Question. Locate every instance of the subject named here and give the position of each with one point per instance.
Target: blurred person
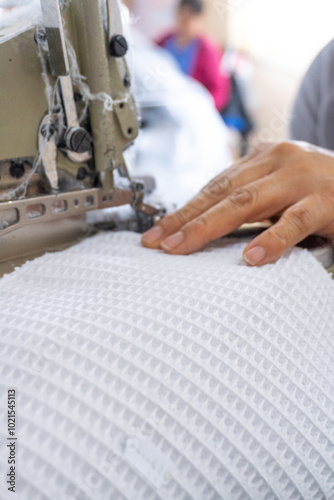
(196, 54)
(238, 113)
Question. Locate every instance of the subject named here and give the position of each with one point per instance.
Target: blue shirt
(185, 56)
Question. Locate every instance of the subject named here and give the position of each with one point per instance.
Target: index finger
(218, 189)
(260, 199)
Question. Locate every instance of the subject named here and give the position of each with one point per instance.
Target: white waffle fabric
(142, 376)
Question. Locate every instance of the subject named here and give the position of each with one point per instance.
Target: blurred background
(279, 40)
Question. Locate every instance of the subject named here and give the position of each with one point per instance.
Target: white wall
(282, 37)
(154, 16)
(284, 34)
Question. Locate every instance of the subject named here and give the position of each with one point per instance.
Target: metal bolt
(127, 81)
(79, 140)
(77, 96)
(138, 186)
(82, 174)
(118, 46)
(17, 170)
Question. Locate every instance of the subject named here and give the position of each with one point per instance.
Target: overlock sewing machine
(67, 118)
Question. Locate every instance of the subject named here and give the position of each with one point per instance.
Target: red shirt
(207, 70)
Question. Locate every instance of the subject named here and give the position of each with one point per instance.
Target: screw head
(17, 170)
(82, 174)
(118, 46)
(78, 97)
(138, 186)
(79, 140)
(127, 81)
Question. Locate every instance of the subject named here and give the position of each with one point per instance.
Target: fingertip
(152, 238)
(150, 246)
(173, 242)
(255, 256)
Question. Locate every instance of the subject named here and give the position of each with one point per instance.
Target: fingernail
(254, 256)
(173, 241)
(152, 235)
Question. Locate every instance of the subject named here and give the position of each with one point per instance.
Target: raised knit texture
(143, 376)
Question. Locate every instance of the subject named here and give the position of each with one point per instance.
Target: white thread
(64, 3)
(79, 81)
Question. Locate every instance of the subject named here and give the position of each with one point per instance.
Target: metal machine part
(69, 118)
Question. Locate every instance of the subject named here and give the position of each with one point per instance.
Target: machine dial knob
(118, 46)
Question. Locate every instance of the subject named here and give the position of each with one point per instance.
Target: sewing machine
(67, 118)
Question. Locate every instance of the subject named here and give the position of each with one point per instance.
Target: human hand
(294, 181)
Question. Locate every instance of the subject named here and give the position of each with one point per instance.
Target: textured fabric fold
(143, 376)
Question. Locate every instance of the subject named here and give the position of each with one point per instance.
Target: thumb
(302, 219)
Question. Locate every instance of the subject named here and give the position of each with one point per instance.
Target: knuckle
(285, 149)
(243, 197)
(300, 218)
(167, 222)
(177, 219)
(199, 227)
(280, 239)
(181, 216)
(218, 187)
